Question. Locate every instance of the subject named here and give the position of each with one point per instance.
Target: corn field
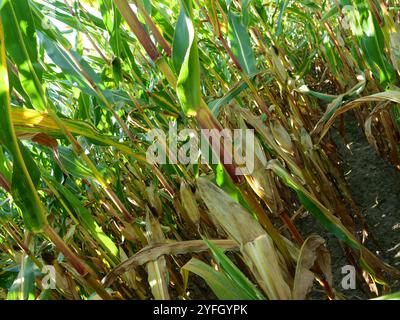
(84, 214)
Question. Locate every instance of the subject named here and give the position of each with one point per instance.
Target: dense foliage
(82, 83)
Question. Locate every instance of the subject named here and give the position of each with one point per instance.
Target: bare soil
(375, 186)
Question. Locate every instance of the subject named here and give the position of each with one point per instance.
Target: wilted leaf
(312, 252)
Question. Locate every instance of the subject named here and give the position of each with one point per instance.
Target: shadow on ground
(375, 186)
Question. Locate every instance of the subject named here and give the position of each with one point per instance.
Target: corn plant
(83, 84)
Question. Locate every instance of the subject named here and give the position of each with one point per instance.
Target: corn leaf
(22, 46)
(23, 287)
(23, 186)
(73, 204)
(186, 60)
(223, 287)
(241, 46)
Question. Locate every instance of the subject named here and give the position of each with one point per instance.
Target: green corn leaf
(216, 105)
(106, 9)
(185, 57)
(23, 187)
(393, 296)
(72, 203)
(241, 46)
(23, 287)
(326, 218)
(372, 42)
(329, 14)
(112, 21)
(21, 44)
(210, 4)
(64, 61)
(223, 287)
(246, 12)
(15, 84)
(45, 26)
(279, 25)
(28, 120)
(234, 273)
(4, 169)
(72, 164)
(74, 67)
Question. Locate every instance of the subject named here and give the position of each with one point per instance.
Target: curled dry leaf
(256, 245)
(158, 276)
(281, 136)
(313, 251)
(152, 252)
(392, 95)
(261, 180)
(154, 199)
(189, 203)
(268, 267)
(229, 214)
